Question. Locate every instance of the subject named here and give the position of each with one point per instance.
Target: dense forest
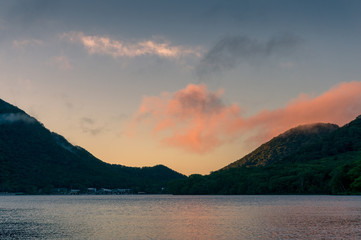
(35, 160)
(326, 160)
(285, 144)
(310, 159)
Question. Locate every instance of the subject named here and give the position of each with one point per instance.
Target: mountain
(342, 140)
(312, 159)
(285, 144)
(34, 160)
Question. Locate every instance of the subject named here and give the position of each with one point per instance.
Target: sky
(193, 85)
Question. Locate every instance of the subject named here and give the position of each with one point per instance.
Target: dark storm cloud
(231, 51)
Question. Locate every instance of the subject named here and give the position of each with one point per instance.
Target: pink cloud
(339, 105)
(197, 120)
(108, 46)
(193, 118)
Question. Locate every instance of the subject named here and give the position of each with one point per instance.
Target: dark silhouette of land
(319, 158)
(310, 159)
(34, 160)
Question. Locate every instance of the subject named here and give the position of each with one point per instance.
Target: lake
(180, 217)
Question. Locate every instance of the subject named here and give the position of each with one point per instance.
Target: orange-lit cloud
(115, 48)
(192, 118)
(197, 120)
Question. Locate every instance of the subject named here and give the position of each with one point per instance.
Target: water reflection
(180, 217)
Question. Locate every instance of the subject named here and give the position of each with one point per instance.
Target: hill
(34, 160)
(285, 144)
(329, 163)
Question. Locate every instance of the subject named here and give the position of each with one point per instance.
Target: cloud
(230, 51)
(87, 120)
(88, 125)
(61, 62)
(197, 120)
(339, 105)
(106, 46)
(8, 118)
(26, 42)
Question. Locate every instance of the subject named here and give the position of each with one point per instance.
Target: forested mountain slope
(330, 163)
(33, 160)
(285, 144)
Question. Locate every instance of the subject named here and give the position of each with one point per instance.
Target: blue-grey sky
(193, 85)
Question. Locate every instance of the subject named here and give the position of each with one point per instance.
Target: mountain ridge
(6, 107)
(284, 144)
(32, 158)
(330, 164)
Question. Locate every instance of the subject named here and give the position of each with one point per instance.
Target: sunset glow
(192, 85)
(107, 46)
(198, 121)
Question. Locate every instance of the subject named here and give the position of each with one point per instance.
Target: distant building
(74, 192)
(104, 191)
(91, 190)
(123, 191)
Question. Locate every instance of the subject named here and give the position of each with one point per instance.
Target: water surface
(180, 217)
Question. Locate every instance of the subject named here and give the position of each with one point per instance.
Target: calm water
(180, 217)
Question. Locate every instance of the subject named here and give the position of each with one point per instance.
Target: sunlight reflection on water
(180, 217)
